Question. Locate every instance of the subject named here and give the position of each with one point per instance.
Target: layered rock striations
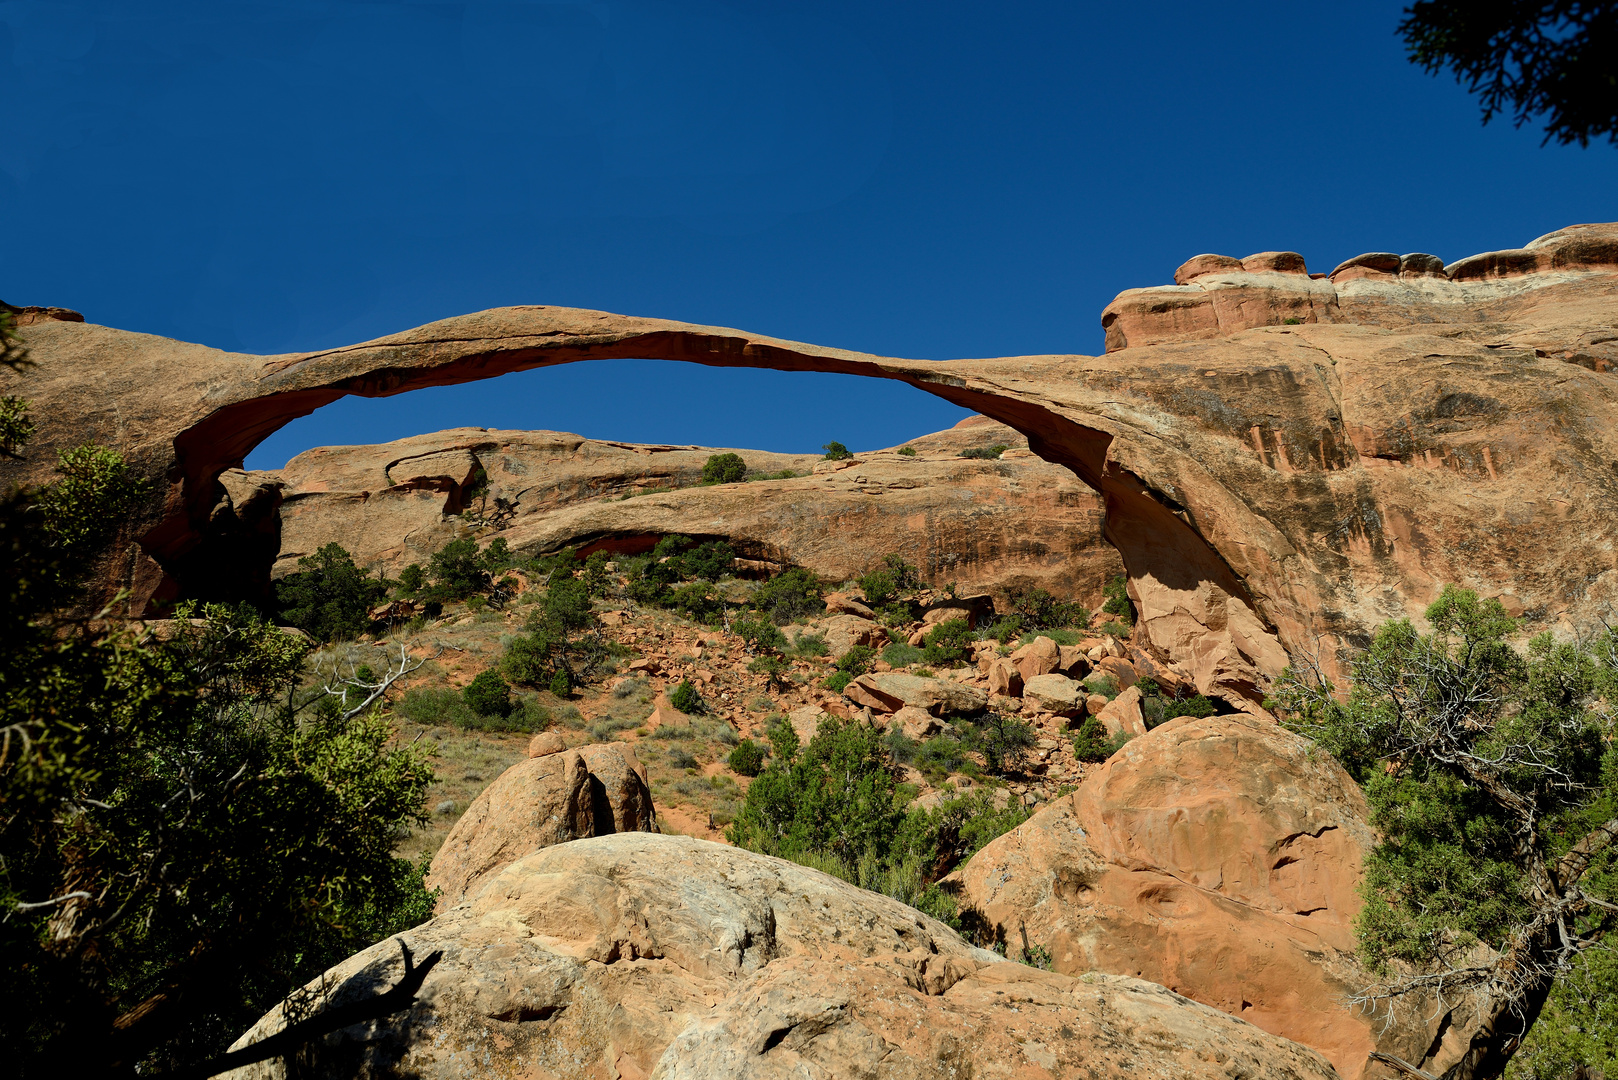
(1321, 457)
(639, 955)
(1018, 522)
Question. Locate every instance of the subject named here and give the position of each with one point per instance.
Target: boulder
(941, 697)
(1072, 661)
(843, 632)
(1054, 694)
(1039, 657)
(661, 956)
(1219, 857)
(1119, 669)
(1094, 703)
(539, 802)
(805, 720)
(974, 610)
(1122, 714)
(842, 604)
(546, 743)
(916, 723)
(1004, 678)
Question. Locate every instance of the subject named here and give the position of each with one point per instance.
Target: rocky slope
(1285, 460)
(638, 955)
(992, 525)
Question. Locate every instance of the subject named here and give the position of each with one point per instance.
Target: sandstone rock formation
(551, 798)
(1285, 461)
(638, 955)
(1016, 523)
(1219, 857)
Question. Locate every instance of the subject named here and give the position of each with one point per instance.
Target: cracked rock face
(1221, 858)
(1285, 461)
(640, 955)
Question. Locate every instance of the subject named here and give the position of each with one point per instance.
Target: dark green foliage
(411, 579)
(837, 681)
(856, 661)
(271, 817)
(555, 652)
(561, 682)
(15, 426)
(900, 655)
(1002, 738)
(92, 496)
(488, 694)
(498, 556)
(985, 453)
(1556, 59)
(1037, 609)
(773, 666)
(1092, 743)
(1006, 629)
(889, 581)
(685, 699)
(746, 758)
(759, 635)
(457, 571)
(808, 645)
(836, 451)
(948, 643)
(1493, 786)
(724, 469)
(329, 598)
(595, 577)
(649, 583)
(13, 353)
(940, 757)
(1157, 707)
(907, 451)
(833, 805)
(1117, 593)
(710, 561)
(697, 601)
(670, 546)
(793, 594)
(439, 706)
(1579, 1026)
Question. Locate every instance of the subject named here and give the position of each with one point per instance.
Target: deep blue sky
(914, 179)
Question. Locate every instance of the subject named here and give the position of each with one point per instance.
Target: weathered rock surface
(1219, 857)
(1270, 487)
(890, 692)
(1021, 523)
(639, 955)
(1054, 694)
(545, 799)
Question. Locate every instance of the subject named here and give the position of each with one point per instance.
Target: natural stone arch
(1315, 456)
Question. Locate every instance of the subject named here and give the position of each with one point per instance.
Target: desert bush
(1002, 738)
(907, 451)
(772, 666)
(856, 661)
(899, 655)
(985, 453)
(948, 643)
(807, 645)
(708, 561)
(759, 635)
(686, 699)
(836, 451)
(1039, 610)
(1092, 743)
(329, 598)
(793, 594)
(1117, 603)
(457, 571)
(93, 493)
(697, 601)
(837, 681)
(15, 426)
(412, 579)
(724, 469)
(488, 694)
(746, 759)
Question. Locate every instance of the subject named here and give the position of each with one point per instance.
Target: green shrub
(709, 561)
(1039, 610)
(1104, 684)
(457, 571)
(837, 681)
(15, 426)
(498, 556)
(697, 601)
(1092, 743)
(784, 474)
(856, 661)
(686, 699)
(411, 579)
(809, 644)
(899, 655)
(526, 716)
(759, 635)
(747, 759)
(93, 495)
(724, 469)
(1117, 593)
(329, 598)
(772, 666)
(793, 594)
(985, 453)
(561, 683)
(1002, 738)
(939, 757)
(907, 451)
(488, 694)
(670, 546)
(948, 643)
(1116, 629)
(436, 706)
(836, 451)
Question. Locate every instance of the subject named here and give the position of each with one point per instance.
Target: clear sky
(913, 179)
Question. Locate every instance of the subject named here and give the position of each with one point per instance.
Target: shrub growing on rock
(686, 699)
(985, 453)
(907, 451)
(1117, 593)
(793, 594)
(836, 451)
(1037, 609)
(93, 493)
(724, 469)
(1092, 743)
(948, 643)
